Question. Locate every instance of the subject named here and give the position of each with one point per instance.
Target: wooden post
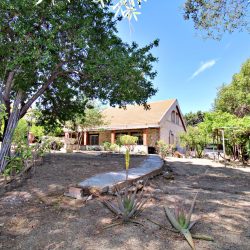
(145, 137)
(112, 137)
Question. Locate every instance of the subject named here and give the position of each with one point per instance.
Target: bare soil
(38, 216)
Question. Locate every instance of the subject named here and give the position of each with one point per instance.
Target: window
(93, 139)
(173, 116)
(177, 119)
(140, 137)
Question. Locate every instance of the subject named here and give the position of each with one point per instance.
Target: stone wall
(104, 136)
(153, 136)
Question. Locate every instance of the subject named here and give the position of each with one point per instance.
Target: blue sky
(190, 68)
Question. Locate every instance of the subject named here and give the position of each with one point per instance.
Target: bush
(114, 147)
(163, 149)
(53, 143)
(106, 146)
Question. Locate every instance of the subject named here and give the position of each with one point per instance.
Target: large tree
(54, 56)
(214, 17)
(234, 98)
(193, 119)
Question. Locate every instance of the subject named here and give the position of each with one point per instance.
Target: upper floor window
(173, 116)
(177, 119)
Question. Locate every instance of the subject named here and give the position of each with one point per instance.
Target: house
(163, 121)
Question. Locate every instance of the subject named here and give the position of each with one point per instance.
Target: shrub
(53, 143)
(114, 147)
(106, 146)
(163, 149)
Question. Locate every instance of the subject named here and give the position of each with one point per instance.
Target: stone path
(105, 181)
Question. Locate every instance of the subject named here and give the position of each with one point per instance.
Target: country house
(163, 121)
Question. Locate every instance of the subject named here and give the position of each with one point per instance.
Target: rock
(169, 176)
(75, 192)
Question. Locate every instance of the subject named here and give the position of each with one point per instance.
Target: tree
(215, 17)
(193, 119)
(127, 8)
(54, 56)
(89, 118)
(195, 138)
(234, 98)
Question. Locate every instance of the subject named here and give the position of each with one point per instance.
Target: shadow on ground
(33, 218)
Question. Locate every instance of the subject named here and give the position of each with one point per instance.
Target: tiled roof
(136, 115)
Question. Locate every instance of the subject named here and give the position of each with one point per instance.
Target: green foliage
(2, 116)
(37, 131)
(21, 132)
(236, 131)
(114, 147)
(195, 138)
(126, 8)
(234, 98)
(106, 146)
(193, 119)
(128, 140)
(163, 149)
(53, 143)
(128, 205)
(60, 57)
(214, 17)
(181, 220)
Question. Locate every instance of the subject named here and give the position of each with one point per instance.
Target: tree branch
(40, 91)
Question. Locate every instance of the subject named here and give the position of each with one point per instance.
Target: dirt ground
(38, 216)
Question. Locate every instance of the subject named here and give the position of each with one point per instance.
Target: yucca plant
(128, 204)
(181, 220)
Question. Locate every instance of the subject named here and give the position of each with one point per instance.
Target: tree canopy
(59, 57)
(192, 119)
(234, 98)
(214, 17)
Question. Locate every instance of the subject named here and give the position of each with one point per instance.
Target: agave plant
(181, 220)
(129, 205)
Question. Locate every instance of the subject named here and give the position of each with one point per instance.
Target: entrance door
(93, 139)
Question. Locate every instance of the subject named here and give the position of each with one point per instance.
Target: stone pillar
(85, 136)
(145, 137)
(112, 137)
(66, 134)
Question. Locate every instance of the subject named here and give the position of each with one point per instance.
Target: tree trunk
(8, 135)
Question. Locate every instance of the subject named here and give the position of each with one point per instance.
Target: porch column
(66, 135)
(145, 137)
(112, 137)
(85, 135)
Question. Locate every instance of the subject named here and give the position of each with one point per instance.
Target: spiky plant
(128, 205)
(181, 220)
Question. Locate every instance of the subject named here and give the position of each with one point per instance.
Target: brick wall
(104, 136)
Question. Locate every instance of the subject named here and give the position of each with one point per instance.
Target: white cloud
(204, 66)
